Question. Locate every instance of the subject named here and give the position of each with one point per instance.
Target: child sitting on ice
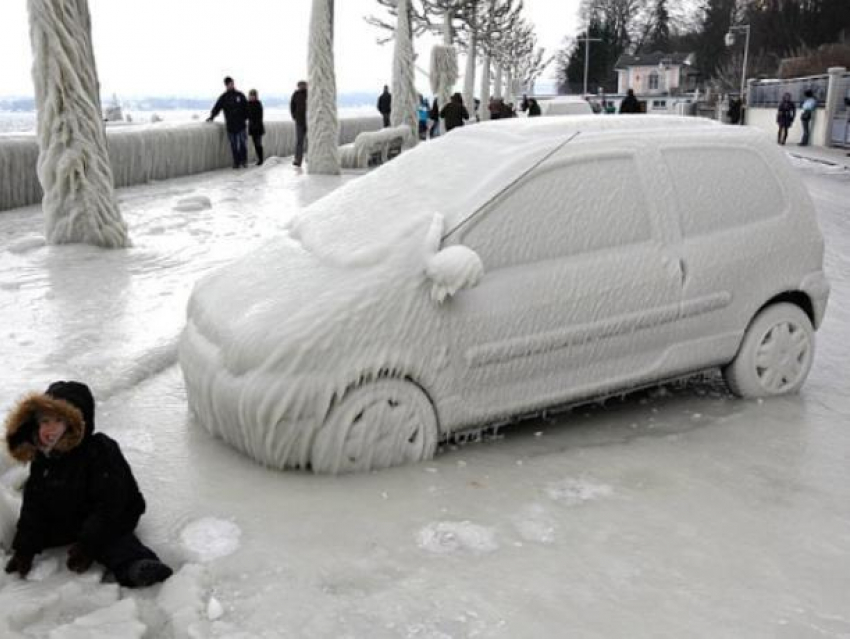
(80, 490)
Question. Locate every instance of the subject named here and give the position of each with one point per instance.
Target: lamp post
(587, 40)
(730, 40)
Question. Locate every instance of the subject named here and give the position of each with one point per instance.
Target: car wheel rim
(783, 356)
(382, 432)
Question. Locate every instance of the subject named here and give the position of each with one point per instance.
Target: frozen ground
(675, 513)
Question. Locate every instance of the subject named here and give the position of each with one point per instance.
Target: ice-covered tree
(73, 164)
(322, 121)
(405, 103)
(479, 18)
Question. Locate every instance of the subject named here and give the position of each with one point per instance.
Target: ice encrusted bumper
(263, 415)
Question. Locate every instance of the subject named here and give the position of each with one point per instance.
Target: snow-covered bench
(373, 148)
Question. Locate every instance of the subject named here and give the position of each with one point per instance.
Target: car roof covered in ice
(453, 176)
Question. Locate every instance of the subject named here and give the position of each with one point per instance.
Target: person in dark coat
(533, 108)
(298, 111)
(434, 116)
(630, 103)
(80, 491)
(785, 115)
(256, 128)
(454, 113)
(233, 102)
(385, 105)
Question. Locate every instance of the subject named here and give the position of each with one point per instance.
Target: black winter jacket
(385, 103)
(254, 112)
(298, 107)
(454, 114)
(83, 491)
(233, 104)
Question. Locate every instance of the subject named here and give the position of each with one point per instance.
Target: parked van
(504, 269)
(565, 105)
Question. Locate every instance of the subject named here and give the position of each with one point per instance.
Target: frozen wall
(765, 119)
(141, 153)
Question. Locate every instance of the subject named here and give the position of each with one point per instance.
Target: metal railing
(768, 93)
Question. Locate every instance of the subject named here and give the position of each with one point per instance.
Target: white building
(656, 74)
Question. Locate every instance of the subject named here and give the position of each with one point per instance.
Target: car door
(578, 288)
(735, 243)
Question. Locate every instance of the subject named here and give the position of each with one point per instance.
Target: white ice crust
(322, 122)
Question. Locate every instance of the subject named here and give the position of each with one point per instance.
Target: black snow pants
(257, 138)
(122, 553)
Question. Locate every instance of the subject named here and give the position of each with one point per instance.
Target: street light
(587, 40)
(730, 40)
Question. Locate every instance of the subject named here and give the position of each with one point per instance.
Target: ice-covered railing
(159, 151)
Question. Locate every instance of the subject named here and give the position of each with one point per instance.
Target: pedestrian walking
(785, 118)
(630, 103)
(533, 108)
(434, 116)
(233, 102)
(454, 114)
(80, 492)
(256, 128)
(298, 111)
(423, 110)
(385, 105)
(807, 112)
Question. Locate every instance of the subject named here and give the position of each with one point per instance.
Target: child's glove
(19, 563)
(78, 559)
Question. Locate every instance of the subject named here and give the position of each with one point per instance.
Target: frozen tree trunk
(509, 85)
(484, 93)
(73, 163)
(405, 101)
(322, 122)
(469, 77)
(444, 66)
(497, 82)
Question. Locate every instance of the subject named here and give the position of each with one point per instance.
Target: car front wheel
(378, 424)
(776, 354)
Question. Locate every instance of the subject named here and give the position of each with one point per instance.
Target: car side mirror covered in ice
(452, 269)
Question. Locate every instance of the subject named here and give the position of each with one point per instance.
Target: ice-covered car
(565, 105)
(503, 269)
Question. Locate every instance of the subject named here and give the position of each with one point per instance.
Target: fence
(141, 153)
(768, 93)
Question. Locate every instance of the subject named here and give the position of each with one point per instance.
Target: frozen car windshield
(392, 208)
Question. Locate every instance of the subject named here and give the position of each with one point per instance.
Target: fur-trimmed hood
(71, 401)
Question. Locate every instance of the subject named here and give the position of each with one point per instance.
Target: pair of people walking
(242, 117)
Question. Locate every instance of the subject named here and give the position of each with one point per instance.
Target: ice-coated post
(832, 101)
(484, 93)
(497, 82)
(469, 76)
(322, 122)
(405, 102)
(73, 163)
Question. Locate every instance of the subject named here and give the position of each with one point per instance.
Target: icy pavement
(680, 512)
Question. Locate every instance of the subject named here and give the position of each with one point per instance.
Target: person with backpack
(807, 112)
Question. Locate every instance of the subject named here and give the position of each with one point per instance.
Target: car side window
(721, 188)
(568, 209)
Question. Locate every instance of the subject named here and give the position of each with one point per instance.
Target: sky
(186, 47)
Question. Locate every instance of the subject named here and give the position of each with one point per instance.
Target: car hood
(284, 303)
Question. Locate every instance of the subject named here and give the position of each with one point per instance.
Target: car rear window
(722, 188)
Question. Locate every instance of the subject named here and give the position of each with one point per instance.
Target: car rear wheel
(378, 424)
(776, 354)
